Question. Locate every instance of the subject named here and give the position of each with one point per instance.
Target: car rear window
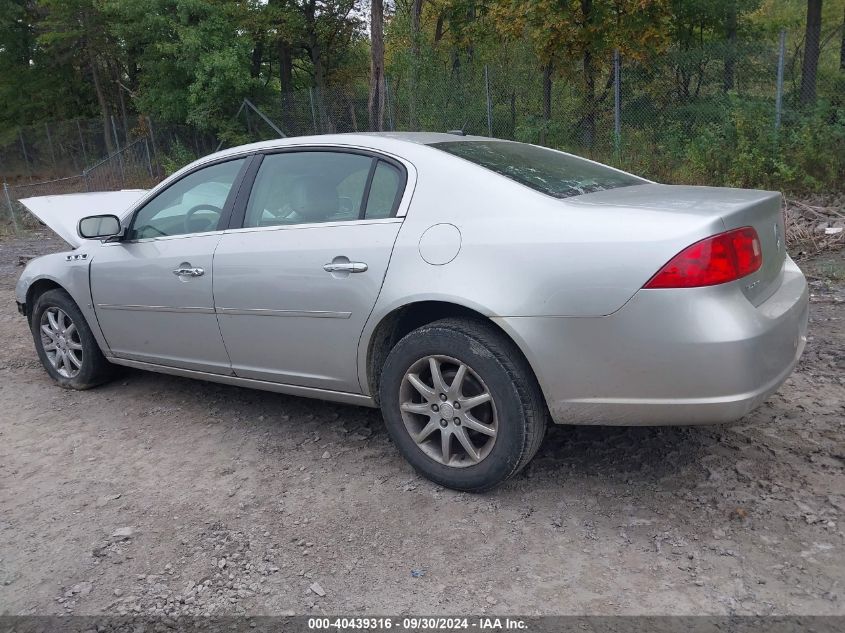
(553, 173)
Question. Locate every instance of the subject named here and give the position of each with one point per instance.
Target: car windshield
(547, 171)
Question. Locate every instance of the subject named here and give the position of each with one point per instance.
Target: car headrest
(314, 199)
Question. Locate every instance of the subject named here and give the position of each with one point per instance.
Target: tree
(287, 27)
(812, 36)
(730, 45)
(376, 100)
(842, 44)
(587, 31)
(195, 57)
(416, 49)
(77, 29)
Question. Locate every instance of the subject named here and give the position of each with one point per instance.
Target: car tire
(503, 430)
(65, 344)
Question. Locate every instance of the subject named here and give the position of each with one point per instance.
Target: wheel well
(37, 289)
(404, 320)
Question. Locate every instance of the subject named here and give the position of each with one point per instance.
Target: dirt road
(156, 494)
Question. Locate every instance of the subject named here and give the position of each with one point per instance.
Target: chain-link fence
(733, 115)
(721, 114)
(67, 157)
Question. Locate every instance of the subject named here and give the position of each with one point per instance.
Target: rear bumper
(686, 356)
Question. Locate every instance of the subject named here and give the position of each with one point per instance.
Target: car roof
(386, 141)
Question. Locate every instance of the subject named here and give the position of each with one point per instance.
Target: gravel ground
(156, 494)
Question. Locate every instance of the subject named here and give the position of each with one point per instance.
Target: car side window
(193, 204)
(384, 191)
(307, 187)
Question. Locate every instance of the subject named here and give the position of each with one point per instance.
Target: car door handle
(346, 267)
(189, 272)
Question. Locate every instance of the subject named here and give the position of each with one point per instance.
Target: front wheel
(462, 404)
(65, 344)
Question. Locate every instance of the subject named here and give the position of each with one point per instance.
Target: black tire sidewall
(93, 362)
(510, 445)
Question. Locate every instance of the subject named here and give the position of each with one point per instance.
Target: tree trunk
(101, 100)
(316, 49)
(547, 100)
(730, 47)
(589, 80)
(438, 27)
(257, 59)
(98, 87)
(376, 101)
(842, 45)
(285, 67)
(589, 100)
(811, 52)
(416, 14)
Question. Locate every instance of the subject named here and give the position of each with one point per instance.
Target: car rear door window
(384, 191)
(308, 187)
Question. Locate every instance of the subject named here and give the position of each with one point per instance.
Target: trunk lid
(736, 208)
(62, 213)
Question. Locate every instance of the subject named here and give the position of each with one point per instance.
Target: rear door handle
(189, 272)
(346, 267)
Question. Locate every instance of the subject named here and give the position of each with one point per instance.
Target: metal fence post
(489, 102)
(149, 162)
(119, 151)
(11, 208)
(50, 143)
(25, 155)
(313, 113)
(85, 177)
(617, 109)
(387, 103)
(82, 143)
(779, 95)
(153, 141)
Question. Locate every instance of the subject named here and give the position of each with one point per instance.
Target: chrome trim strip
(318, 314)
(142, 308)
(167, 238)
(314, 314)
(314, 225)
(294, 390)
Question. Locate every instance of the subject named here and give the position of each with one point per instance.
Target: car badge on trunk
(777, 237)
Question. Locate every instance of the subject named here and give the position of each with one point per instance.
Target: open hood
(62, 213)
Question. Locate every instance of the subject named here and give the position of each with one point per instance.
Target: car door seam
(413, 189)
(214, 304)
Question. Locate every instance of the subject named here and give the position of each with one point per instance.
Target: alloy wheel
(61, 342)
(448, 411)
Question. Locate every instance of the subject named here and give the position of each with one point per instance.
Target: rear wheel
(462, 404)
(65, 344)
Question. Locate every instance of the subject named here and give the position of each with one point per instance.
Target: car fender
(70, 270)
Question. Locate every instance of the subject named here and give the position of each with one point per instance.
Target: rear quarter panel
(523, 253)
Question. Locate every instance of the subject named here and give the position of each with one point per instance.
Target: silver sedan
(472, 288)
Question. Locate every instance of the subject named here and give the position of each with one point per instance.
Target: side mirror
(99, 227)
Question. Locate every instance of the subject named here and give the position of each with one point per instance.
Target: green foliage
(739, 147)
(697, 88)
(177, 157)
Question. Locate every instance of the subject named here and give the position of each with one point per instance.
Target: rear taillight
(714, 260)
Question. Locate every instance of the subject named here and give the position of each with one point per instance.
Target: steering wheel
(201, 207)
